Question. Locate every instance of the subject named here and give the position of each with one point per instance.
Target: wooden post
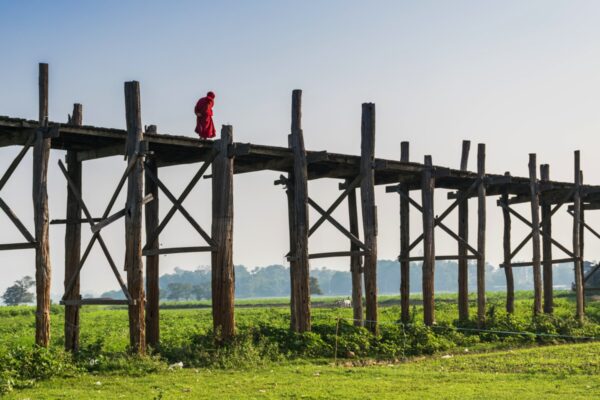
(547, 245)
(427, 188)
(133, 220)
(481, 222)
(369, 212)
(151, 212)
(510, 284)
(299, 268)
(463, 232)
(43, 268)
(535, 238)
(355, 260)
(404, 243)
(579, 293)
(581, 241)
(223, 280)
(73, 241)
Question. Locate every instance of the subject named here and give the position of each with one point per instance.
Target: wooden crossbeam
(16, 221)
(335, 223)
(177, 203)
(437, 222)
(353, 185)
(18, 246)
(437, 258)
(337, 254)
(96, 302)
(177, 250)
(530, 263)
(73, 221)
(96, 236)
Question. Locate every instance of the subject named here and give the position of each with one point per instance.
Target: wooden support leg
(223, 280)
(404, 243)
(481, 223)
(535, 238)
(427, 188)
(355, 260)
(133, 220)
(547, 245)
(73, 242)
(510, 284)
(43, 269)
(579, 293)
(369, 212)
(463, 232)
(581, 242)
(151, 211)
(300, 267)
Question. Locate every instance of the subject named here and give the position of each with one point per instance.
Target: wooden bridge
(145, 151)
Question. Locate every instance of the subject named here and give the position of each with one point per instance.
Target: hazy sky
(520, 76)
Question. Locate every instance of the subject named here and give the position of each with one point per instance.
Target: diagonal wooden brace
(339, 226)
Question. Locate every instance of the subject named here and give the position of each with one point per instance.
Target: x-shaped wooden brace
(326, 216)
(178, 205)
(463, 196)
(596, 267)
(9, 213)
(544, 234)
(96, 236)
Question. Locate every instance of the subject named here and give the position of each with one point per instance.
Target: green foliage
(19, 292)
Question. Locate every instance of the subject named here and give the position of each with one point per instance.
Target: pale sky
(520, 76)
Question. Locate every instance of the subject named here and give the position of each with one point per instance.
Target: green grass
(268, 361)
(546, 372)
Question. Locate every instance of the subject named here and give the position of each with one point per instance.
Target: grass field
(267, 361)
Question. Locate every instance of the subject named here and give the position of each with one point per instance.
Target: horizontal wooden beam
(74, 221)
(177, 250)
(17, 246)
(96, 302)
(437, 258)
(337, 254)
(530, 264)
(101, 152)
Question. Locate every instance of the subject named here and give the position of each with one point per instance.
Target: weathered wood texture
(535, 237)
(73, 241)
(481, 225)
(427, 189)
(579, 293)
(43, 269)
(463, 232)
(134, 264)
(299, 268)
(151, 213)
(223, 280)
(404, 242)
(355, 260)
(546, 209)
(506, 244)
(369, 212)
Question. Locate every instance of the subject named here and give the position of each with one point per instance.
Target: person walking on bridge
(205, 127)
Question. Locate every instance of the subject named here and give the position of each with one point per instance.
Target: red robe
(204, 122)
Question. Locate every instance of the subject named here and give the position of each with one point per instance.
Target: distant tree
(314, 286)
(201, 291)
(179, 291)
(19, 292)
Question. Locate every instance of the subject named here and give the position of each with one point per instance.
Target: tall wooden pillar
(546, 208)
(43, 269)
(427, 188)
(355, 260)
(463, 232)
(73, 241)
(223, 279)
(535, 238)
(299, 266)
(134, 264)
(404, 242)
(151, 213)
(579, 293)
(508, 272)
(581, 240)
(481, 224)
(369, 212)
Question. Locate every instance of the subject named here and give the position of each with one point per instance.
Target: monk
(205, 127)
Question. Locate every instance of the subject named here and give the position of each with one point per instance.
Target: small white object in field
(447, 356)
(178, 365)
